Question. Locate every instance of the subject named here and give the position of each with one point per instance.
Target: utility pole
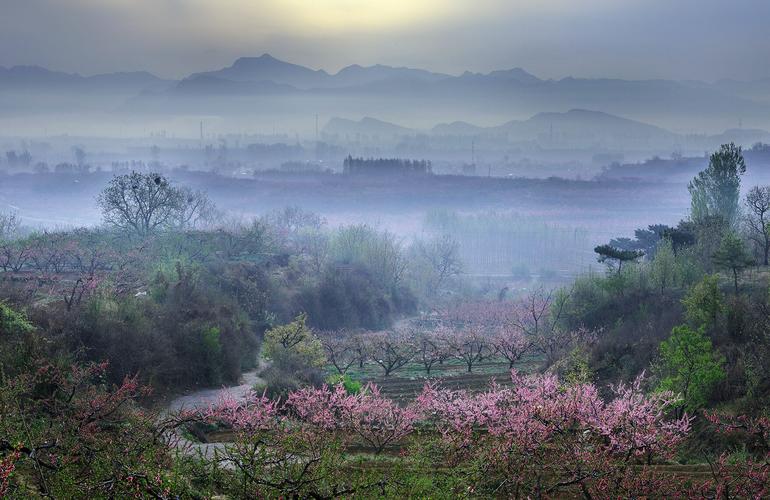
(316, 128)
(201, 134)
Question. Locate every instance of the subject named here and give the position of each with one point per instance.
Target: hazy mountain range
(276, 90)
(570, 129)
(35, 77)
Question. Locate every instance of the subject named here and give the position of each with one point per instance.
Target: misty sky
(683, 39)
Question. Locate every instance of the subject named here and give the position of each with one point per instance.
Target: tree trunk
(735, 279)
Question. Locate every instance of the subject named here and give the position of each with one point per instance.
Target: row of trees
(386, 166)
(538, 438)
(470, 333)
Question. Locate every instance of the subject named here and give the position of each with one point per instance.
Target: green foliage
(210, 340)
(379, 252)
(664, 271)
(16, 341)
(577, 368)
(609, 253)
(689, 366)
(78, 437)
(351, 297)
(433, 263)
(704, 302)
(688, 267)
(211, 352)
(716, 190)
(732, 256)
(12, 323)
(186, 330)
(351, 385)
(294, 343)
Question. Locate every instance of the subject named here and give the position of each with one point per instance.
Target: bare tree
(340, 348)
(238, 238)
(9, 225)
(195, 209)
(758, 217)
(431, 349)
(144, 203)
(538, 316)
(468, 344)
(361, 348)
(14, 255)
(391, 350)
(292, 220)
(511, 343)
(442, 258)
(50, 251)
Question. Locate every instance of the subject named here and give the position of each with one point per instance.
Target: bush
(348, 297)
(351, 385)
(689, 366)
(184, 332)
(293, 345)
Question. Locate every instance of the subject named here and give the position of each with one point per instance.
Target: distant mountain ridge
(576, 125)
(265, 83)
(36, 76)
(572, 121)
(268, 68)
(366, 125)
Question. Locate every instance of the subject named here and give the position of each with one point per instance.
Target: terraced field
(405, 384)
(404, 390)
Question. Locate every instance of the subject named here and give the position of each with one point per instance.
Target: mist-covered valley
(478, 250)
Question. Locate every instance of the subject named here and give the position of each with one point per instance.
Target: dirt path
(205, 397)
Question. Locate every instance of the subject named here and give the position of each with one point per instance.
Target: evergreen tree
(716, 190)
(732, 256)
(611, 253)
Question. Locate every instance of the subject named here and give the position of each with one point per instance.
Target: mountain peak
(366, 125)
(267, 68)
(518, 74)
(252, 60)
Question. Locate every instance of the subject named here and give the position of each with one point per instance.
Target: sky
(634, 39)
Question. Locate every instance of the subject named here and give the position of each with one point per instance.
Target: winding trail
(202, 399)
